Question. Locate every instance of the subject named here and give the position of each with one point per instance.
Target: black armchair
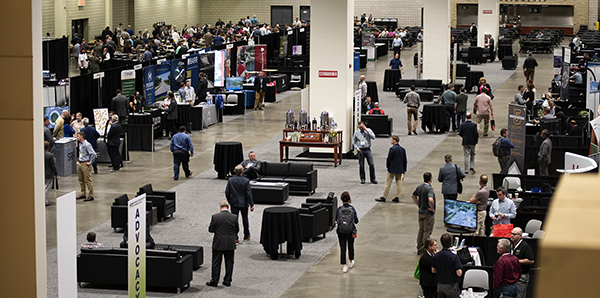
(314, 221)
(164, 201)
(118, 213)
(330, 203)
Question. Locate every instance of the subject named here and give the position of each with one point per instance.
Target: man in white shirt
(175, 36)
(190, 94)
(82, 62)
(263, 30)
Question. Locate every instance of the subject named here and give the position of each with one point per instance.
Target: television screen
(53, 113)
(234, 83)
(296, 50)
(462, 214)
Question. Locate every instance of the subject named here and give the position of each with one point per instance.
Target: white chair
(230, 104)
(539, 234)
(533, 225)
(511, 183)
(476, 278)
(295, 80)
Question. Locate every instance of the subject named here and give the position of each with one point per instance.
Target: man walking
(362, 143)
(413, 102)
(449, 175)
(183, 149)
(424, 197)
(524, 253)
(239, 196)
(447, 269)
(461, 107)
(505, 146)
(225, 227)
(507, 271)
(113, 141)
(396, 168)
(396, 63)
(480, 199)
(260, 86)
(483, 108)
(545, 153)
(87, 156)
(529, 68)
(470, 137)
(448, 98)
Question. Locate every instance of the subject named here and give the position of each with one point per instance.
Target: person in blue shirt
(362, 143)
(506, 145)
(254, 20)
(396, 63)
(69, 131)
(502, 210)
(183, 149)
(576, 77)
(346, 239)
(219, 40)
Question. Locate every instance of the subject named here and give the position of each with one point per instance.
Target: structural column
(331, 71)
(108, 14)
(436, 40)
(60, 18)
(488, 21)
(22, 220)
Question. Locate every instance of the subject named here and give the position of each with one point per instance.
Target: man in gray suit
(48, 134)
(545, 153)
(119, 105)
(225, 227)
(449, 176)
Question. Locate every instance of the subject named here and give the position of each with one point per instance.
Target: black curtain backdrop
(84, 95)
(56, 57)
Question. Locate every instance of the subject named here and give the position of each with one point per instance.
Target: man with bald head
(524, 253)
(59, 125)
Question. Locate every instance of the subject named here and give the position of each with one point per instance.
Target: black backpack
(345, 220)
(497, 147)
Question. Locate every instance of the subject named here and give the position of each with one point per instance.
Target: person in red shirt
(507, 271)
(376, 110)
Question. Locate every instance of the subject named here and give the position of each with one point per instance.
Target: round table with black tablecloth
(372, 90)
(472, 79)
(434, 118)
(475, 54)
(184, 116)
(390, 78)
(279, 225)
(227, 156)
(504, 50)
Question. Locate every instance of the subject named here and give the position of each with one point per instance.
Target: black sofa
(164, 201)
(331, 204)
(301, 177)
(118, 212)
(108, 266)
(432, 85)
(382, 125)
(314, 220)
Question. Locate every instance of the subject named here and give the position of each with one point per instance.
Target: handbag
(459, 186)
(464, 256)
(417, 273)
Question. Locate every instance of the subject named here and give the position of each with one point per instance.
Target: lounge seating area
(301, 177)
(382, 125)
(164, 201)
(433, 86)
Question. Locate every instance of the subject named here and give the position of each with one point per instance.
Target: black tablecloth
(504, 50)
(372, 90)
(279, 225)
(475, 54)
(197, 118)
(282, 81)
(472, 79)
(434, 118)
(390, 78)
(381, 49)
(139, 137)
(153, 117)
(270, 94)
(227, 156)
(184, 115)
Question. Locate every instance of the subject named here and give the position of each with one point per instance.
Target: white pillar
(60, 18)
(436, 40)
(488, 21)
(332, 52)
(108, 14)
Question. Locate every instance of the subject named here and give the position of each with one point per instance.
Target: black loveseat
(118, 212)
(314, 220)
(301, 177)
(164, 201)
(432, 85)
(108, 266)
(382, 125)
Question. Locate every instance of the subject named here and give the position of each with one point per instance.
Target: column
(22, 224)
(108, 14)
(331, 55)
(488, 21)
(60, 18)
(436, 40)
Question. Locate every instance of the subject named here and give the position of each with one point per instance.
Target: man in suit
(171, 110)
(260, 86)
(48, 135)
(448, 177)
(201, 89)
(239, 195)
(396, 166)
(225, 227)
(470, 137)
(113, 141)
(119, 105)
(91, 135)
(251, 166)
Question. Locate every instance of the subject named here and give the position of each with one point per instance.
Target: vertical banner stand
(66, 245)
(136, 261)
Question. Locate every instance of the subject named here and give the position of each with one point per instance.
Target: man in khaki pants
(412, 101)
(396, 165)
(260, 86)
(424, 197)
(87, 155)
(480, 199)
(483, 108)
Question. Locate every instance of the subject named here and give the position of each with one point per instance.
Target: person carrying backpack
(346, 219)
(501, 149)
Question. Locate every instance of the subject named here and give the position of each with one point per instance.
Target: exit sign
(487, 11)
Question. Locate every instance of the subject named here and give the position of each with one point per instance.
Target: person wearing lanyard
(397, 44)
(524, 253)
(87, 156)
(182, 148)
(362, 143)
(506, 271)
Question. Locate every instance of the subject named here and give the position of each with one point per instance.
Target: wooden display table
(284, 144)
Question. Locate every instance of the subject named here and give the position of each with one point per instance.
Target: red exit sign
(328, 74)
(487, 11)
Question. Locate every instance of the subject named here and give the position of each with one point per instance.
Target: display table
(282, 81)
(269, 192)
(140, 137)
(475, 54)
(284, 145)
(279, 225)
(209, 115)
(240, 108)
(65, 152)
(472, 79)
(270, 94)
(382, 49)
(434, 118)
(153, 117)
(184, 115)
(227, 156)
(102, 150)
(390, 78)
(504, 50)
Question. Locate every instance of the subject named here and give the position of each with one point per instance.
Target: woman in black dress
(427, 280)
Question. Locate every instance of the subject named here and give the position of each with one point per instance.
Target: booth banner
(149, 84)
(227, 62)
(516, 134)
(53, 113)
(220, 69)
(128, 82)
(245, 60)
(162, 83)
(260, 56)
(100, 119)
(177, 73)
(207, 66)
(136, 248)
(192, 69)
(564, 80)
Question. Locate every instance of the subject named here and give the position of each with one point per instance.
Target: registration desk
(318, 142)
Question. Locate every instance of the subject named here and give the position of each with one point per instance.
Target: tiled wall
(93, 10)
(408, 12)
(48, 17)
(593, 14)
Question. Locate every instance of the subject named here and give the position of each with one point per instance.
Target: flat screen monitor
(462, 214)
(553, 126)
(234, 83)
(296, 50)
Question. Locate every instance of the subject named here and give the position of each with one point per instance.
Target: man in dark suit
(396, 166)
(119, 105)
(91, 135)
(239, 195)
(225, 227)
(171, 110)
(367, 105)
(113, 141)
(260, 86)
(470, 137)
(201, 89)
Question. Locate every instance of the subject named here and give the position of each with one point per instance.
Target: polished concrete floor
(385, 247)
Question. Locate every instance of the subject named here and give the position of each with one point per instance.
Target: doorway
(305, 13)
(80, 27)
(281, 15)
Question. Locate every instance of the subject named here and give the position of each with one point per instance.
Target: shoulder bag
(459, 186)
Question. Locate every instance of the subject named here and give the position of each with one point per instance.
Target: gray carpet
(255, 274)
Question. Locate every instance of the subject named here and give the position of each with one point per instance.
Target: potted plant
(296, 136)
(584, 114)
(333, 136)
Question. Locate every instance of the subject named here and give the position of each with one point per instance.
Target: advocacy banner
(128, 82)
(516, 134)
(136, 246)
(149, 84)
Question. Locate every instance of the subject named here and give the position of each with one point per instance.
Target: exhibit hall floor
(386, 243)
